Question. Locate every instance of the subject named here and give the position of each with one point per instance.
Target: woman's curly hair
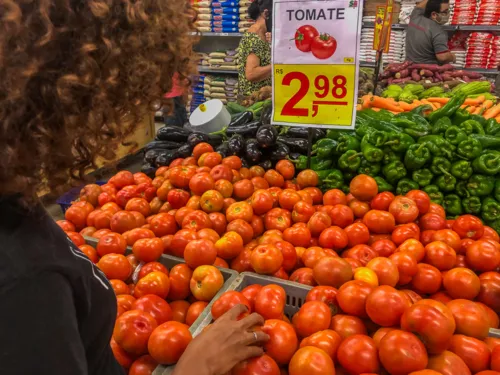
(76, 76)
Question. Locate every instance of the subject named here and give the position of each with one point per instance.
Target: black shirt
(57, 310)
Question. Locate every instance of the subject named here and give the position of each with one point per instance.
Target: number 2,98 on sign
(314, 94)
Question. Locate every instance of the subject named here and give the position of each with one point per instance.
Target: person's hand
(223, 345)
(269, 37)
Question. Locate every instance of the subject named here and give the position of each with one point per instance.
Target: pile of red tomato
(375, 256)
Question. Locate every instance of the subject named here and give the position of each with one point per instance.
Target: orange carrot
(376, 109)
(475, 102)
(484, 107)
(470, 109)
(382, 103)
(437, 105)
(365, 101)
(492, 112)
(497, 118)
(439, 100)
(405, 106)
(425, 101)
(463, 106)
(359, 107)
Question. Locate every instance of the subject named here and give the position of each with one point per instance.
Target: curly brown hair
(76, 76)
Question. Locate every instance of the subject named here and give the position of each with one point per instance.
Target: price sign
(315, 62)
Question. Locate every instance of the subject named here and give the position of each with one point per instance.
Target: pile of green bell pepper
(452, 155)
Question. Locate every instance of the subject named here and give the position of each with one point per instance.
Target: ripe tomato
(313, 316)
(239, 210)
(324, 294)
(266, 259)
(157, 307)
(333, 238)
(362, 253)
(180, 241)
(261, 201)
(402, 352)
(427, 280)
(311, 360)
(303, 276)
(462, 283)
(352, 297)
(148, 249)
(490, 291)
(278, 219)
(407, 266)
(119, 287)
(250, 292)
(483, 255)
(382, 201)
(155, 282)
(307, 178)
(468, 226)
(334, 197)
(318, 222)
(180, 276)
(304, 37)
(144, 365)
(177, 198)
(201, 182)
(222, 172)
(341, 216)
(257, 365)
(346, 325)
(288, 198)
(448, 363)
(379, 221)
(286, 169)
(315, 194)
(200, 252)
(243, 228)
(431, 221)
(490, 233)
(359, 208)
(227, 301)
(385, 269)
(229, 246)
(90, 252)
(195, 311)
(122, 357)
(384, 248)
(405, 210)
(471, 319)
(283, 341)
(385, 306)
(132, 236)
(274, 178)
(122, 179)
(151, 267)
(206, 282)
(298, 235)
(358, 354)
(66, 225)
(473, 352)
(289, 255)
(414, 248)
(218, 222)
(327, 340)
(76, 238)
(196, 220)
(115, 266)
(302, 212)
(332, 272)
(123, 221)
(77, 216)
(132, 331)
(168, 342)
(270, 302)
(357, 233)
(440, 255)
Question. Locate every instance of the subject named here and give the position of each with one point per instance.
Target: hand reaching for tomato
(224, 344)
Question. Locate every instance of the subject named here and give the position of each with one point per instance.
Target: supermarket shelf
(237, 35)
(402, 26)
(203, 69)
(366, 64)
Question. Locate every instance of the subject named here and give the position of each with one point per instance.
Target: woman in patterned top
(255, 51)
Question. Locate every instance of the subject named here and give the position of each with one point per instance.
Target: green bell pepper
(491, 209)
(405, 185)
(461, 169)
(423, 177)
(440, 164)
(336, 133)
(470, 148)
(461, 189)
(455, 135)
(383, 185)
(438, 145)
(417, 156)
(479, 119)
(446, 182)
(372, 153)
(472, 127)
(488, 141)
(495, 225)
(441, 125)
(461, 115)
(449, 109)
(317, 164)
(399, 142)
(350, 160)
(325, 148)
(363, 130)
(412, 123)
(349, 175)
(322, 175)
(492, 127)
(487, 163)
(390, 156)
(480, 185)
(472, 205)
(371, 169)
(346, 143)
(434, 193)
(393, 172)
(334, 180)
(496, 192)
(452, 204)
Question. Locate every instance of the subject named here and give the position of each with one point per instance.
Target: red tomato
(471, 319)
(148, 249)
(283, 341)
(132, 331)
(154, 282)
(201, 182)
(333, 238)
(206, 282)
(385, 306)
(359, 208)
(250, 292)
(358, 354)
(307, 178)
(362, 253)
(462, 283)
(382, 201)
(407, 266)
(404, 209)
(180, 276)
(352, 297)
(313, 316)
(332, 272)
(318, 222)
(473, 352)
(346, 325)
(357, 233)
(402, 352)
(304, 37)
(151, 267)
(145, 365)
(227, 301)
(303, 276)
(379, 221)
(274, 178)
(258, 365)
(200, 252)
(427, 280)
(440, 255)
(302, 212)
(157, 307)
(168, 342)
(448, 363)
(327, 340)
(384, 248)
(266, 259)
(432, 221)
(270, 302)
(324, 294)
(432, 321)
(229, 246)
(219, 222)
(334, 197)
(122, 357)
(422, 200)
(277, 218)
(490, 233)
(341, 216)
(483, 255)
(363, 187)
(262, 202)
(468, 226)
(490, 290)
(180, 241)
(312, 361)
(385, 269)
(405, 232)
(115, 266)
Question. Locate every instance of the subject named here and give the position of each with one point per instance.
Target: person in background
(426, 40)
(175, 115)
(254, 49)
(76, 77)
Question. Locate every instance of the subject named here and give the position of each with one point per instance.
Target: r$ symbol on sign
(279, 71)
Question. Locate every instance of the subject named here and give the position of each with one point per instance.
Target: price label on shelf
(316, 62)
(314, 94)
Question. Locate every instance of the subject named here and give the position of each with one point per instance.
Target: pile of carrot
(477, 106)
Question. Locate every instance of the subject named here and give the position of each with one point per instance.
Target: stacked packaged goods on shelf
(457, 45)
(482, 51)
(204, 15)
(464, 12)
(221, 87)
(225, 16)
(396, 47)
(224, 60)
(407, 7)
(245, 20)
(488, 12)
(204, 58)
(196, 97)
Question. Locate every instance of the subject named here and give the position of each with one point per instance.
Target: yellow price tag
(314, 94)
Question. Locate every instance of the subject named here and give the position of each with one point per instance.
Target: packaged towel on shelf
(204, 10)
(225, 10)
(204, 17)
(225, 29)
(225, 4)
(224, 24)
(225, 17)
(203, 24)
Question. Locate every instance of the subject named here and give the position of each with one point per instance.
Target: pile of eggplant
(253, 139)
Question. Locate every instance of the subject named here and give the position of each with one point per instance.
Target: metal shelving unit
(402, 26)
(203, 69)
(209, 34)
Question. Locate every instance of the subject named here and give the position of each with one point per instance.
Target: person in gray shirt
(426, 41)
